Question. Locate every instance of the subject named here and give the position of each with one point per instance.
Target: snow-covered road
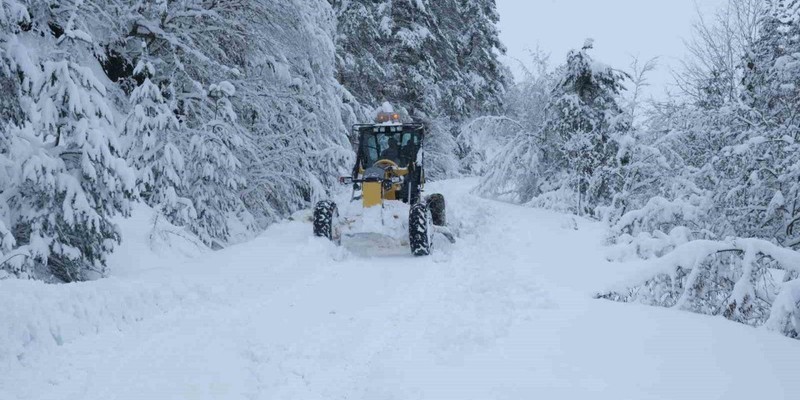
(505, 313)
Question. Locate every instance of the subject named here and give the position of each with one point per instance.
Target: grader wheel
(324, 215)
(419, 230)
(437, 206)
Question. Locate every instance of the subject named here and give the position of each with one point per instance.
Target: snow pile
(39, 317)
(658, 227)
(751, 281)
(158, 271)
(390, 219)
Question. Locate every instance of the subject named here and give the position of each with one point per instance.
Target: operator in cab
(393, 151)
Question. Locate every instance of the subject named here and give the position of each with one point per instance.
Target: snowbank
(751, 281)
(157, 272)
(39, 317)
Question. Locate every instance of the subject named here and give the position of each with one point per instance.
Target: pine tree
(71, 180)
(362, 45)
(586, 118)
(770, 65)
(477, 85)
(12, 262)
(214, 172)
(12, 16)
(63, 179)
(412, 84)
(7, 242)
(438, 60)
(152, 132)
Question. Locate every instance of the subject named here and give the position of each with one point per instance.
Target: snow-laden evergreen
(436, 60)
(153, 141)
(65, 177)
(214, 171)
(582, 134)
(568, 154)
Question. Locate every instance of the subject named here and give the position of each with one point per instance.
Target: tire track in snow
(322, 360)
(387, 330)
(464, 306)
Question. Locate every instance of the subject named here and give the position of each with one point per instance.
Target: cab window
(372, 149)
(391, 143)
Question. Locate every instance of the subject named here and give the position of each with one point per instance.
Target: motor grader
(387, 206)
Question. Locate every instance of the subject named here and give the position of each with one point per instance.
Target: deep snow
(505, 313)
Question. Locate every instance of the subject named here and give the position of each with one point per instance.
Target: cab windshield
(393, 144)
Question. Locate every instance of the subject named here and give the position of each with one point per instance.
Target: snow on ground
(505, 313)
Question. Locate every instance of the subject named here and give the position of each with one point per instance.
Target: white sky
(621, 29)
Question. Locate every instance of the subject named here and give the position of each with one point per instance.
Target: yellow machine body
(373, 193)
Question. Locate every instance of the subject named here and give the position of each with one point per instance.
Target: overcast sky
(621, 28)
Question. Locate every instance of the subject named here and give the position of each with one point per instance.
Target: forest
(223, 115)
(227, 116)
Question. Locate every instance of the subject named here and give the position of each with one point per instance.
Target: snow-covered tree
(477, 81)
(7, 241)
(482, 139)
(76, 177)
(214, 173)
(584, 126)
(711, 73)
(515, 171)
(152, 133)
(13, 16)
(439, 60)
(13, 263)
(297, 116)
(770, 61)
(721, 211)
(66, 178)
(362, 46)
(289, 109)
(570, 141)
(63, 178)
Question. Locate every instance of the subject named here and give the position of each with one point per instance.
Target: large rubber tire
(437, 206)
(325, 214)
(419, 236)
